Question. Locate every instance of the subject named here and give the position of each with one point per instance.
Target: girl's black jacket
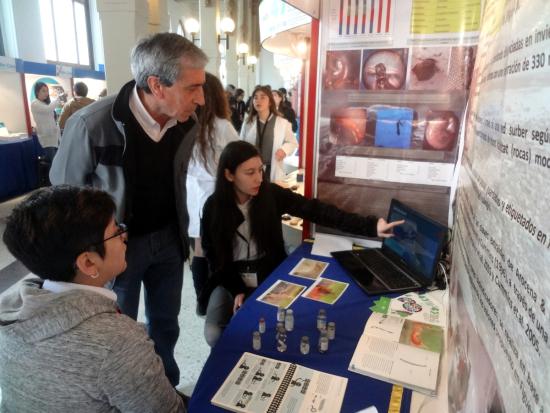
(276, 201)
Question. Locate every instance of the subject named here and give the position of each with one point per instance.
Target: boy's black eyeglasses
(122, 229)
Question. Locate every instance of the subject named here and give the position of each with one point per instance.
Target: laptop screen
(418, 242)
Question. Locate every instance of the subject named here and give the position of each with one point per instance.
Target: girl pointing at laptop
(242, 234)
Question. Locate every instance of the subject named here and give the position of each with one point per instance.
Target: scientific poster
(501, 242)
(390, 113)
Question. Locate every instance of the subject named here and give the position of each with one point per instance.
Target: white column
(232, 63)
(158, 16)
(243, 77)
(209, 35)
(123, 23)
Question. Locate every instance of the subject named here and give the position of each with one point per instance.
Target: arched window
(66, 31)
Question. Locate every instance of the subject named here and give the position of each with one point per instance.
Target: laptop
(406, 262)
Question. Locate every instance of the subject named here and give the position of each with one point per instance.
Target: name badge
(250, 279)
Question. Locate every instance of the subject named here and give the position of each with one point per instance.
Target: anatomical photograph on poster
(429, 68)
(441, 68)
(342, 70)
(413, 127)
(384, 69)
(376, 146)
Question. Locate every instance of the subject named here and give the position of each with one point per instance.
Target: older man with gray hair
(136, 145)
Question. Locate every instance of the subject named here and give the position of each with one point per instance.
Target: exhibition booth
(429, 110)
(437, 104)
(19, 146)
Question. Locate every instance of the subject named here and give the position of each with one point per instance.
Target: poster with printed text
(500, 320)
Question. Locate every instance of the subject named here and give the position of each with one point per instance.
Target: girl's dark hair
(234, 154)
(37, 87)
(279, 93)
(252, 112)
(215, 106)
(54, 225)
(224, 205)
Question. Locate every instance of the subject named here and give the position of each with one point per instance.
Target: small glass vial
(331, 330)
(281, 315)
(322, 319)
(261, 325)
(289, 320)
(304, 345)
(256, 340)
(323, 342)
(281, 339)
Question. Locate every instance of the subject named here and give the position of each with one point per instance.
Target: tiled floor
(191, 351)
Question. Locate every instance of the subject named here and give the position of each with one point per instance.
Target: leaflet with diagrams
(400, 351)
(259, 384)
(418, 307)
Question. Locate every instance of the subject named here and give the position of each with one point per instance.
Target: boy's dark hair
(80, 89)
(49, 229)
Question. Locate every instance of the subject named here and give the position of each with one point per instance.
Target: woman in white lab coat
(42, 109)
(272, 134)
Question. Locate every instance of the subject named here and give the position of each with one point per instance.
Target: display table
(350, 313)
(18, 166)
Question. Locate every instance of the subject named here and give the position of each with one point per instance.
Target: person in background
(215, 131)
(287, 106)
(286, 110)
(242, 233)
(136, 145)
(80, 100)
(64, 347)
(269, 131)
(238, 111)
(43, 112)
(102, 94)
(230, 93)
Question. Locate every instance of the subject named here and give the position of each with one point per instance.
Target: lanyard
(261, 131)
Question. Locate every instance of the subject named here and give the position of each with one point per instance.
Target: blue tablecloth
(18, 166)
(350, 313)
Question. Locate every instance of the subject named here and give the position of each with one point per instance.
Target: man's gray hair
(160, 55)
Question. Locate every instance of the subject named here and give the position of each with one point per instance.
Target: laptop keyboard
(390, 275)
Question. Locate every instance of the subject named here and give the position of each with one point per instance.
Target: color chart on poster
(445, 16)
(360, 20)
